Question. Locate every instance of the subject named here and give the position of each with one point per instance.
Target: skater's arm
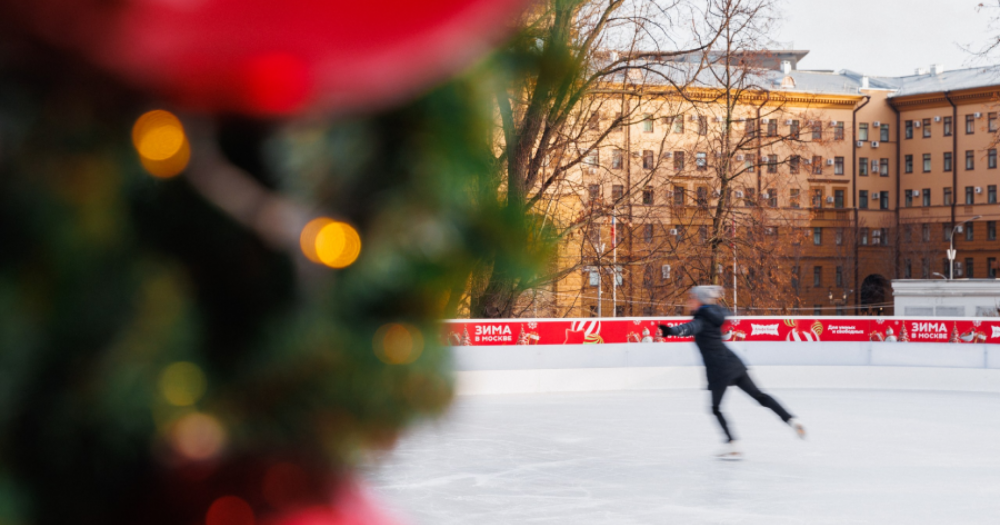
(687, 329)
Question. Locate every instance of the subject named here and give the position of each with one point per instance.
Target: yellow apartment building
(816, 189)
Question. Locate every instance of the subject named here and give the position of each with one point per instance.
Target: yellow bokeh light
(398, 344)
(182, 384)
(198, 436)
(334, 244)
(159, 139)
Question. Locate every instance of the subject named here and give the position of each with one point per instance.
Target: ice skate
(797, 427)
(730, 452)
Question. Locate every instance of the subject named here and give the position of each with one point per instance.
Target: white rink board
(576, 368)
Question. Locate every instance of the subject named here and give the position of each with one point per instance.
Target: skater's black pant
(745, 384)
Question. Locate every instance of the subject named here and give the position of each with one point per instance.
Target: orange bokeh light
(398, 344)
(198, 436)
(159, 138)
(331, 243)
(230, 510)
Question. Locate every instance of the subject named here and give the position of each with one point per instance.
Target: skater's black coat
(722, 366)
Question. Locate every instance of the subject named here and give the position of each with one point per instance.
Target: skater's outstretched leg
(747, 385)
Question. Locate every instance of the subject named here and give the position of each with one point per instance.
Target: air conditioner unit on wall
(739, 157)
(937, 119)
(876, 124)
(916, 193)
(667, 154)
(829, 200)
(788, 122)
(874, 143)
(916, 123)
(978, 115)
(834, 122)
(718, 119)
(861, 143)
(807, 161)
(979, 189)
(765, 120)
(829, 162)
(738, 194)
(764, 158)
(673, 231)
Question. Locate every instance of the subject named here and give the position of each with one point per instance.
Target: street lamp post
(951, 250)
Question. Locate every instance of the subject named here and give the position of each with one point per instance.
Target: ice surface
(879, 457)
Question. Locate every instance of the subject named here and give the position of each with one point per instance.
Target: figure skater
(722, 366)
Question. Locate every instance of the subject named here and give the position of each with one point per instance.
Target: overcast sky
(883, 37)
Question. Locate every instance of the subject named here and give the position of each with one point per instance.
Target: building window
(595, 279)
(884, 133)
(908, 233)
(817, 276)
(925, 233)
(595, 192)
(616, 159)
(817, 130)
(678, 160)
(751, 128)
(591, 158)
(701, 161)
(907, 198)
(701, 196)
(947, 126)
(793, 130)
(884, 200)
(969, 195)
(839, 274)
(908, 129)
(908, 163)
(947, 197)
(679, 124)
(991, 159)
(647, 159)
(617, 192)
(647, 311)
(863, 166)
(593, 310)
(926, 194)
(907, 269)
(817, 165)
(772, 164)
(927, 128)
(678, 195)
(970, 124)
(748, 200)
(991, 267)
(970, 160)
(969, 235)
(647, 233)
(665, 272)
(863, 236)
(838, 165)
(595, 121)
(772, 128)
(750, 162)
(838, 131)
(772, 198)
(863, 199)
(991, 194)
(991, 230)
(818, 236)
(793, 165)
(838, 236)
(838, 198)
(793, 197)
(946, 230)
(927, 162)
(647, 195)
(863, 131)
(968, 268)
(702, 125)
(947, 161)
(817, 309)
(877, 238)
(817, 198)
(925, 268)
(647, 124)
(883, 168)
(992, 119)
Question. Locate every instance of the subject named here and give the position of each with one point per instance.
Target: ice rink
(644, 457)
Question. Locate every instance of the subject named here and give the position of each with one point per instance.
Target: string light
(331, 243)
(182, 384)
(198, 436)
(398, 344)
(159, 138)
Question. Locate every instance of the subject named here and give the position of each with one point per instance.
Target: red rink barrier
(476, 332)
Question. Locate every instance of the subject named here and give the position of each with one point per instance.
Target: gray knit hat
(707, 294)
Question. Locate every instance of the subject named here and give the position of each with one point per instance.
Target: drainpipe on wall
(954, 158)
(899, 145)
(854, 198)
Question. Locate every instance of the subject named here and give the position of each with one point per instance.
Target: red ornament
(275, 58)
